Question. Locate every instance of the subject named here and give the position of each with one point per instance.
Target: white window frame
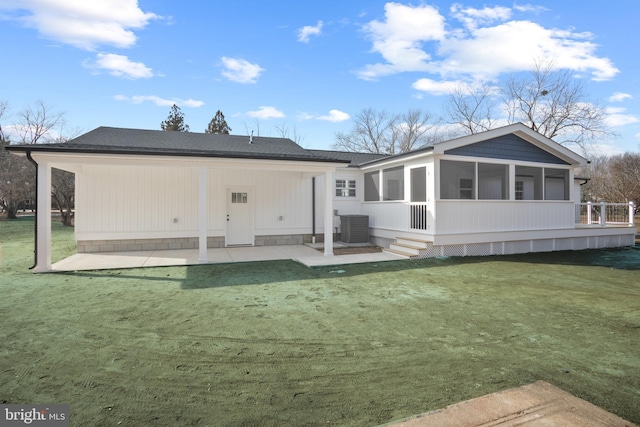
(349, 188)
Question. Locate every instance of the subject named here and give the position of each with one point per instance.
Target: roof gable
(507, 147)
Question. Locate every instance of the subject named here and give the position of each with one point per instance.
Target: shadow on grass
(626, 258)
(213, 276)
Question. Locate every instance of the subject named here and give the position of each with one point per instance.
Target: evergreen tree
(218, 124)
(175, 121)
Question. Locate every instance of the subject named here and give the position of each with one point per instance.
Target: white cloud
(307, 31)
(335, 116)
(161, 102)
(616, 117)
(240, 70)
(529, 8)
(84, 24)
(417, 38)
(266, 112)
(398, 39)
(619, 96)
(438, 87)
(120, 66)
(472, 18)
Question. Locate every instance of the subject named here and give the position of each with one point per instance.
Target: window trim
(346, 189)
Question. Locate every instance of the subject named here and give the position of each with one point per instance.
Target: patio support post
(43, 206)
(202, 216)
(632, 211)
(589, 212)
(603, 214)
(328, 213)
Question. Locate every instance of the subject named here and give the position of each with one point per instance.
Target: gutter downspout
(35, 226)
(313, 209)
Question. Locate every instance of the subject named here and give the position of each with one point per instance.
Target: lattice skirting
(526, 246)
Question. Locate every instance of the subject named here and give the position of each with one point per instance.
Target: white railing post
(632, 211)
(603, 214)
(589, 213)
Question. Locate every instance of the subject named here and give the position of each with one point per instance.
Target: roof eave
(171, 153)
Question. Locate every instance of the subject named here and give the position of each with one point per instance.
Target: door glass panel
(238, 197)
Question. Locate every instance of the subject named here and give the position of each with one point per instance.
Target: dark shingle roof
(138, 141)
(356, 159)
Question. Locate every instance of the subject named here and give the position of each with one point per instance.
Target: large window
(493, 181)
(393, 183)
(457, 179)
(556, 184)
(345, 187)
(372, 186)
(528, 183)
(419, 184)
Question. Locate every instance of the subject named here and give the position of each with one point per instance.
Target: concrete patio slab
(300, 253)
(535, 405)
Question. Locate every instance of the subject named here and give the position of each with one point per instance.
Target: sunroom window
(493, 181)
(393, 183)
(457, 179)
(372, 186)
(556, 184)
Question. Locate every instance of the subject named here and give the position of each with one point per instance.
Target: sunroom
(508, 185)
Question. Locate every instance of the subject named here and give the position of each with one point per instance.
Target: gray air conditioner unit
(354, 228)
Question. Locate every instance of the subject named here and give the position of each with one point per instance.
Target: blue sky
(304, 66)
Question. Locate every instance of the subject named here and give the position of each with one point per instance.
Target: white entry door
(239, 217)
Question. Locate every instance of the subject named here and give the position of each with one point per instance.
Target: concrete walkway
(135, 259)
(535, 405)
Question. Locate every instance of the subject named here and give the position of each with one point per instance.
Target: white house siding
(277, 194)
(156, 207)
(134, 202)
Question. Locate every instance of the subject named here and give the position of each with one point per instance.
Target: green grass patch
(276, 343)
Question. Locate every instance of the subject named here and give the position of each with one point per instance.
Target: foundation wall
(92, 246)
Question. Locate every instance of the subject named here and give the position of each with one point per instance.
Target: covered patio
(303, 254)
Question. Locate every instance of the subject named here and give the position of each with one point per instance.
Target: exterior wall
(129, 203)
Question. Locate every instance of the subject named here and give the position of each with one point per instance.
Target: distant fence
(605, 213)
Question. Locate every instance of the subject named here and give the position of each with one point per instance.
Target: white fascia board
(83, 159)
(396, 161)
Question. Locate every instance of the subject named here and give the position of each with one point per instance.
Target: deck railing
(605, 213)
(419, 216)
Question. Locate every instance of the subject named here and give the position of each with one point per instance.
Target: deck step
(403, 247)
(413, 242)
(396, 252)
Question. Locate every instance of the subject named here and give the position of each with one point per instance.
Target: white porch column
(328, 213)
(203, 215)
(43, 257)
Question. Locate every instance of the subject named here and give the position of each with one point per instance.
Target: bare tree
(382, 133)
(17, 186)
(63, 194)
(615, 179)
(283, 131)
(554, 103)
(369, 133)
(255, 129)
(16, 176)
(550, 101)
(36, 123)
(472, 109)
(413, 129)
